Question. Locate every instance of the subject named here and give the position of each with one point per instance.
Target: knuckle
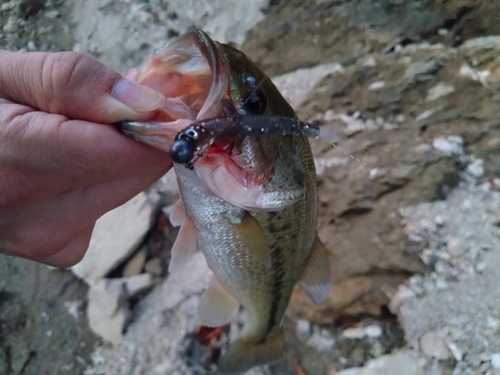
(66, 73)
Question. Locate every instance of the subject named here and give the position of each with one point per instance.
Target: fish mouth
(193, 75)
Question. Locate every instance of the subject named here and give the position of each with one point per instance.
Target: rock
(354, 333)
(154, 342)
(352, 297)
(452, 145)
(116, 235)
(441, 89)
(154, 267)
(495, 361)
(432, 345)
(457, 247)
(476, 168)
(321, 341)
(303, 329)
(374, 331)
(297, 86)
(137, 284)
(404, 362)
(135, 265)
(10, 26)
(108, 310)
(422, 70)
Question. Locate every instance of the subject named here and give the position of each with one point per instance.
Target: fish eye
(255, 102)
(182, 150)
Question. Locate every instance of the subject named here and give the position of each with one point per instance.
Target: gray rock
(422, 70)
(433, 346)
(476, 168)
(116, 235)
(153, 342)
(303, 329)
(438, 91)
(495, 361)
(404, 362)
(137, 284)
(297, 86)
(108, 307)
(452, 145)
(108, 310)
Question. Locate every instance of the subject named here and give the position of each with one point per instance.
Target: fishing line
(324, 134)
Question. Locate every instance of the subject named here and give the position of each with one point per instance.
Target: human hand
(62, 165)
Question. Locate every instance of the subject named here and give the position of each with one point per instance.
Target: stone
(137, 284)
(354, 333)
(374, 331)
(352, 296)
(403, 362)
(449, 146)
(303, 329)
(135, 265)
(476, 168)
(457, 247)
(438, 91)
(432, 345)
(495, 361)
(108, 310)
(116, 235)
(153, 266)
(10, 26)
(321, 341)
(297, 86)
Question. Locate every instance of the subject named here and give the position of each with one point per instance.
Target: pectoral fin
(217, 305)
(177, 213)
(184, 246)
(316, 280)
(252, 235)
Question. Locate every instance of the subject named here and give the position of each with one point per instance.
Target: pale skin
(62, 164)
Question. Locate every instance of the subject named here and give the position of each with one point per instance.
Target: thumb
(74, 85)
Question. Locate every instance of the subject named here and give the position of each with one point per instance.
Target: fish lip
(150, 132)
(220, 75)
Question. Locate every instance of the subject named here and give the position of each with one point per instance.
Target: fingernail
(139, 98)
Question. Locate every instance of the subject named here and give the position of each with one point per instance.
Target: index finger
(75, 85)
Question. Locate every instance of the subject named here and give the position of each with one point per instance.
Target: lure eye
(255, 102)
(182, 150)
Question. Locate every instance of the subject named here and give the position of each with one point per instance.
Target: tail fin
(244, 354)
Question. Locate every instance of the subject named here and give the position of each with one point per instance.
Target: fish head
(198, 76)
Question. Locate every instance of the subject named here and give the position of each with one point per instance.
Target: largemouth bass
(248, 197)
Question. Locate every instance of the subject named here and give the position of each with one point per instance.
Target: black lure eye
(182, 150)
(255, 102)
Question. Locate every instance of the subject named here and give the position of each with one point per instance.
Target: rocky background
(408, 188)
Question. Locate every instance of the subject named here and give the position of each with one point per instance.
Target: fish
(247, 184)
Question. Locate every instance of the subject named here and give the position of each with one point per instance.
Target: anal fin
(184, 246)
(217, 305)
(244, 354)
(254, 238)
(316, 280)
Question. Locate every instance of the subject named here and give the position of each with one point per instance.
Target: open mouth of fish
(193, 75)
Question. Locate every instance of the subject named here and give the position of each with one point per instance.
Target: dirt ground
(43, 326)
